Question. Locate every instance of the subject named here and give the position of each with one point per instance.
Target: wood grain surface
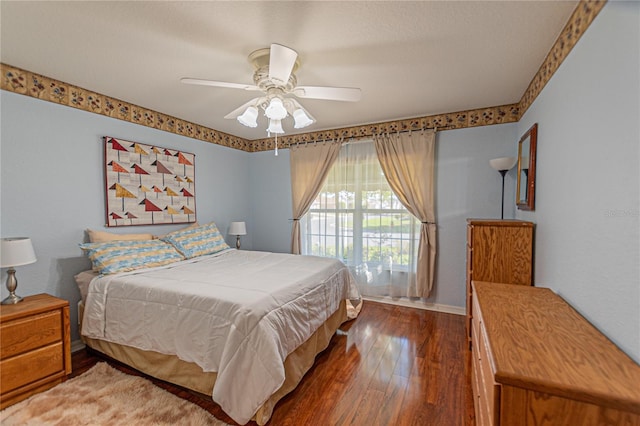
(538, 342)
(35, 349)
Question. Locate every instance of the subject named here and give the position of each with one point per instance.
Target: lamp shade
(16, 252)
(503, 163)
(275, 110)
(237, 228)
(301, 119)
(275, 126)
(250, 117)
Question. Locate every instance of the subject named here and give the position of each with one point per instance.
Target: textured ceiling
(409, 58)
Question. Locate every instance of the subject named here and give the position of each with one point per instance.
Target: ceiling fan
(275, 76)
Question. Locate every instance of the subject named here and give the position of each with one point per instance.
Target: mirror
(525, 196)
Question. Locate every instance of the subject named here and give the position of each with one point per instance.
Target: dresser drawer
(475, 321)
(476, 383)
(491, 388)
(23, 369)
(29, 333)
(35, 348)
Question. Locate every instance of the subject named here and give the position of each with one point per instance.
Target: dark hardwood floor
(391, 366)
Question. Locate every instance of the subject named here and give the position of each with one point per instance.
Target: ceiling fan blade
(236, 112)
(347, 94)
(214, 83)
(281, 62)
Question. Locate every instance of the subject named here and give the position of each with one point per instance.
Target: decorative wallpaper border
(27, 83)
(584, 13)
(38, 86)
(447, 121)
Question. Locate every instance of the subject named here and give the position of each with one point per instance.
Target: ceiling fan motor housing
(264, 82)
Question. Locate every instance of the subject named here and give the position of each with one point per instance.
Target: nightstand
(35, 347)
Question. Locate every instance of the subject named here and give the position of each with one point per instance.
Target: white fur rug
(104, 396)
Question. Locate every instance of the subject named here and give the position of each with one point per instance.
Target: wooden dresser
(35, 347)
(499, 251)
(536, 361)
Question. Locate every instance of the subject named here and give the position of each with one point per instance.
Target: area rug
(104, 396)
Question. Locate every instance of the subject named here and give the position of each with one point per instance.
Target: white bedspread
(238, 313)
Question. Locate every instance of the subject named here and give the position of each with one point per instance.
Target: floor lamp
(503, 165)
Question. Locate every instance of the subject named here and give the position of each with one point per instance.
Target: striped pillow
(205, 239)
(122, 256)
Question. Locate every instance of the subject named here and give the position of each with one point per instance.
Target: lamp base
(12, 285)
(12, 299)
(502, 172)
(238, 242)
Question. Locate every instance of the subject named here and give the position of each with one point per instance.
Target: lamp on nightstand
(237, 229)
(503, 165)
(15, 252)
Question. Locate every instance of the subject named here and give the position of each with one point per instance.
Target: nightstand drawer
(29, 333)
(31, 366)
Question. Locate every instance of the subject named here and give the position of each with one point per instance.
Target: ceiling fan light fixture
(274, 76)
(250, 117)
(276, 109)
(275, 126)
(301, 119)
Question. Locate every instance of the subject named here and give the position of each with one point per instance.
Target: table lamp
(15, 252)
(237, 229)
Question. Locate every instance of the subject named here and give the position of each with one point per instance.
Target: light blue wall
(51, 155)
(52, 187)
(466, 186)
(588, 176)
(270, 201)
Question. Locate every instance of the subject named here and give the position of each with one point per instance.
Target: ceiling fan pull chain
(276, 144)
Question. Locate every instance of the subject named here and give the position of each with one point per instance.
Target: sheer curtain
(408, 161)
(357, 218)
(310, 165)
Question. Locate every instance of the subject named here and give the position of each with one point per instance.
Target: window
(358, 219)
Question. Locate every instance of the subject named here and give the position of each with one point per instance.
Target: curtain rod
(352, 139)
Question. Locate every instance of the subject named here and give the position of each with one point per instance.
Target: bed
(241, 326)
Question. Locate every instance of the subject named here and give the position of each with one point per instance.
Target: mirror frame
(528, 203)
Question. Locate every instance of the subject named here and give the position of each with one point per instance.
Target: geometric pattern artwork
(148, 185)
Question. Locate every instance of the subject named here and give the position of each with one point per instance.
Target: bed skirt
(189, 375)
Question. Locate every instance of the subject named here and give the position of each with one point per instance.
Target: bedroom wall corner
(467, 187)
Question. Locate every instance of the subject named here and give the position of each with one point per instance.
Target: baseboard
(409, 303)
(76, 346)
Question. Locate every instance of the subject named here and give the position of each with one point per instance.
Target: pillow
(193, 225)
(122, 256)
(205, 239)
(83, 279)
(101, 236)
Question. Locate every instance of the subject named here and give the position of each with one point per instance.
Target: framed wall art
(147, 184)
